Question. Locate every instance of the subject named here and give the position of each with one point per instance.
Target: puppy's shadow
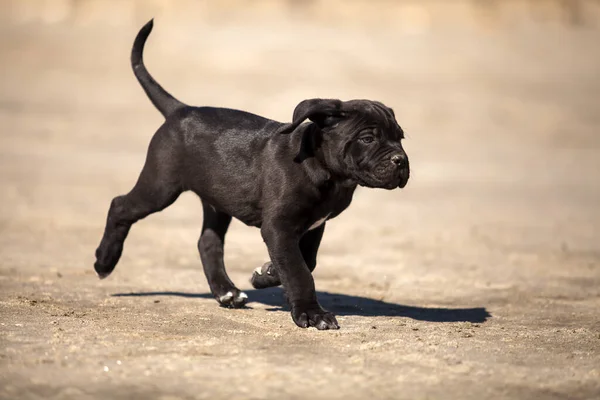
(342, 304)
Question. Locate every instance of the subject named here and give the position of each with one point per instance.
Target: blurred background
(500, 102)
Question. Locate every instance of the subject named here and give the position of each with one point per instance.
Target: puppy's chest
(329, 206)
(318, 222)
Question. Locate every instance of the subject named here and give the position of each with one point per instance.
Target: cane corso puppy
(285, 178)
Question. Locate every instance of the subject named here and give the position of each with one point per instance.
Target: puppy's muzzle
(401, 163)
(398, 159)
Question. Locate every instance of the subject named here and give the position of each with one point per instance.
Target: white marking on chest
(318, 223)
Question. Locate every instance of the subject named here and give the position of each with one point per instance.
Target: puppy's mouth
(398, 179)
(404, 175)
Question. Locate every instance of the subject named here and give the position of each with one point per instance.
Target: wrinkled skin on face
(359, 139)
(371, 148)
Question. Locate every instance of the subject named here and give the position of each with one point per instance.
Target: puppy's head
(361, 138)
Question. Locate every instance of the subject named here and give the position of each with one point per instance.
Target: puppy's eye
(366, 139)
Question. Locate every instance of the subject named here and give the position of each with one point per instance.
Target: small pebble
(105, 368)
(119, 362)
(157, 301)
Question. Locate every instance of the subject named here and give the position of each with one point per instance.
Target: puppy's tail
(162, 100)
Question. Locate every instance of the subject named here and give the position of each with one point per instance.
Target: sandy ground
(480, 280)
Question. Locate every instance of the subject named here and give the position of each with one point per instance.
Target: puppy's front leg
(268, 276)
(284, 250)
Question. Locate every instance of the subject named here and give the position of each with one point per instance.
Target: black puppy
(286, 179)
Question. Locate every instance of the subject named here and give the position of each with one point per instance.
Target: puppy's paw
(314, 316)
(104, 268)
(102, 271)
(233, 299)
(265, 277)
(107, 258)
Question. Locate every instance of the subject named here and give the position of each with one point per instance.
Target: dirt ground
(481, 279)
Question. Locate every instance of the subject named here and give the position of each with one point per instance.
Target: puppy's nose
(398, 159)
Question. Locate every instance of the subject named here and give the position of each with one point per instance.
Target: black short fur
(286, 179)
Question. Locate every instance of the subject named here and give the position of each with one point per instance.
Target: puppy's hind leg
(157, 187)
(210, 246)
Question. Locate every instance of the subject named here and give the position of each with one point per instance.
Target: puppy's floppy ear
(323, 112)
